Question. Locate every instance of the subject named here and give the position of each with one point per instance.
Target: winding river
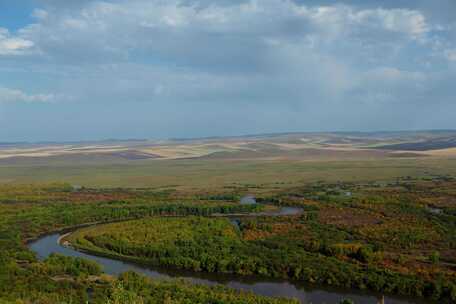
(305, 293)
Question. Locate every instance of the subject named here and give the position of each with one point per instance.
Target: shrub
(434, 258)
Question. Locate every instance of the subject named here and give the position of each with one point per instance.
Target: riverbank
(269, 287)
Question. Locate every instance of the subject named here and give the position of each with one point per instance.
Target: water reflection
(277, 288)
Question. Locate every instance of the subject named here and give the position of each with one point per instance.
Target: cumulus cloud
(348, 19)
(10, 45)
(14, 95)
(101, 31)
(405, 21)
(218, 38)
(268, 56)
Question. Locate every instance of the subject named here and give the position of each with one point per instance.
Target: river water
(305, 293)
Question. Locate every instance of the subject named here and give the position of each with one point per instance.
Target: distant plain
(270, 161)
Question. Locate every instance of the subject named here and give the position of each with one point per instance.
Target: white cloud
(14, 95)
(346, 19)
(405, 21)
(10, 45)
(394, 75)
(346, 65)
(40, 14)
(260, 49)
(102, 30)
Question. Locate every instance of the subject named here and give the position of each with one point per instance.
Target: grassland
(378, 219)
(217, 174)
(269, 161)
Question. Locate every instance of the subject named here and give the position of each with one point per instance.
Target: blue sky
(79, 70)
(15, 14)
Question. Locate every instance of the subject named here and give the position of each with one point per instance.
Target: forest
(395, 238)
(26, 212)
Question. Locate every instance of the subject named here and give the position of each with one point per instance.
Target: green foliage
(133, 288)
(119, 295)
(213, 245)
(28, 211)
(372, 240)
(434, 258)
(58, 264)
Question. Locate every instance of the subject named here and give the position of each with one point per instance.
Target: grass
(331, 243)
(217, 174)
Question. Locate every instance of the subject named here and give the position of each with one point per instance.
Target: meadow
(383, 238)
(214, 175)
(269, 161)
(374, 219)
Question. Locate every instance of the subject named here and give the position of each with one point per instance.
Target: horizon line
(5, 143)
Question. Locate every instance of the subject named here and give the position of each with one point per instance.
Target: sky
(90, 69)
